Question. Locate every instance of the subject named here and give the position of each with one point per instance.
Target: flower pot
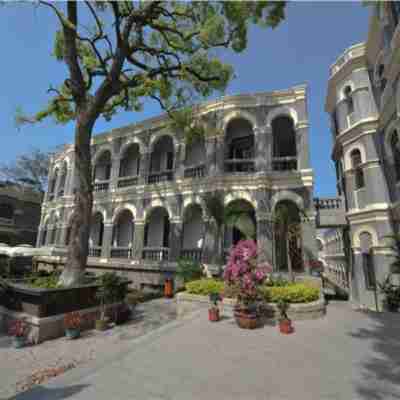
(247, 319)
(285, 326)
(101, 324)
(72, 333)
(19, 341)
(168, 288)
(213, 314)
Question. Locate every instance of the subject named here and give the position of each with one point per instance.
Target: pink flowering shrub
(243, 274)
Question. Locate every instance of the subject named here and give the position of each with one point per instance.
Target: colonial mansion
(150, 183)
(149, 186)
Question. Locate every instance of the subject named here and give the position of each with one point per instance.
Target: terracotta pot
(246, 319)
(213, 314)
(285, 326)
(168, 288)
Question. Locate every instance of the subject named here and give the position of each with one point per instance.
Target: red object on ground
(285, 326)
(168, 288)
(213, 314)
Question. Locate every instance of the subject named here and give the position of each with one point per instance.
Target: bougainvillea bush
(244, 275)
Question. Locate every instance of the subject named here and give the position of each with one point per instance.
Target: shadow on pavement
(43, 393)
(380, 372)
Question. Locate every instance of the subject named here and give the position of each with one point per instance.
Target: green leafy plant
(205, 286)
(391, 292)
(188, 270)
(293, 293)
(283, 307)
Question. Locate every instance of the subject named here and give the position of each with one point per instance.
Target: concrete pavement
(346, 355)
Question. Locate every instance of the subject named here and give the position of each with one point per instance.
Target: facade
(20, 209)
(149, 186)
(363, 101)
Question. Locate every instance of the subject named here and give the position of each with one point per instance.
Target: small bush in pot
(72, 325)
(285, 323)
(213, 311)
(18, 329)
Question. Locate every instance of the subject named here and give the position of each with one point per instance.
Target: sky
(300, 50)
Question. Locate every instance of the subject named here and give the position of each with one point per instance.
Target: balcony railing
(128, 181)
(195, 172)
(156, 253)
(164, 176)
(121, 252)
(284, 163)
(101, 186)
(239, 165)
(328, 203)
(95, 251)
(192, 254)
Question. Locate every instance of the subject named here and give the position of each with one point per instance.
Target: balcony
(158, 177)
(330, 212)
(128, 181)
(121, 252)
(195, 172)
(284, 163)
(101, 186)
(192, 254)
(156, 253)
(95, 251)
(239, 165)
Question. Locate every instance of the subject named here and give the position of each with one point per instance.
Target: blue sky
(299, 51)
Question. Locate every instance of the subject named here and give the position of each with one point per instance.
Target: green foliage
(112, 289)
(283, 307)
(391, 291)
(278, 281)
(45, 282)
(292, 293)
(188, 270)
(205, 287)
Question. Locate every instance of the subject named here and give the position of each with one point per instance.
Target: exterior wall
(261, 186)
(373, 76)
(21, 226)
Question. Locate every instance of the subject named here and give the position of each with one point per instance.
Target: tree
(131, 51)
(233, 216)
(29, 169)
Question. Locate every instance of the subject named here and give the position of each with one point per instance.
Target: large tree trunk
(80, 227)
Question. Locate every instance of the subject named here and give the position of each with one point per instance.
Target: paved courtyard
(16, 365)
(347, 355)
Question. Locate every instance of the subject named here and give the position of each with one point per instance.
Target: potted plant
(244, 277)
(285, 323)
(213, 311)
(18, 330)
(72, 325)
(392, 294)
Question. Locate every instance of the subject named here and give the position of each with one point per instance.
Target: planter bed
(51, 327)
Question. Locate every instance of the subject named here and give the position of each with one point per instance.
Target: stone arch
(347, 155)
(123, 207)
(101, 210)
(157, 203)
(282, 111)
(194, 200)
(287, 195)
(100, 151)
(240, 195)
(393, 126)
(156, 136)
(239, 114)
(340, 94)
(366, 229)
(134, 140)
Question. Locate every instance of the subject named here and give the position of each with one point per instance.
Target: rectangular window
(369, 271)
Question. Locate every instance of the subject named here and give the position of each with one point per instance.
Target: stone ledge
(187, 303)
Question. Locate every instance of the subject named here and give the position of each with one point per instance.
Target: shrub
(205, 286)
(45, 282)
(294, 293)
(188, 270)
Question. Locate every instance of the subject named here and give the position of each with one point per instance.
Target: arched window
(6, 211)
(356, 164)
(395, 147)
(348, 95)
(284, 149)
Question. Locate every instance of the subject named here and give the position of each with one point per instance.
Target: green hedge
(293, 293)
(205, 286)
